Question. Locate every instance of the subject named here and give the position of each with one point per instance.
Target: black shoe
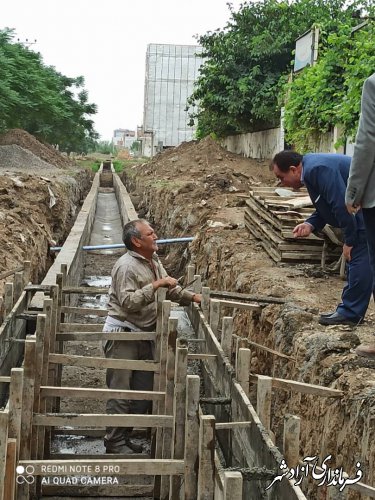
(121, 449)
(135, 447)
(337, 319)
(324, 315)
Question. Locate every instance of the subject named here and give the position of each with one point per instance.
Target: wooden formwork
(246, 434)
(34, 392)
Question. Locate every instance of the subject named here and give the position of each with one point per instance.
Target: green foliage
(105, 147)
(118, 165)
(248, 61)
(42, 101)
(329, 93)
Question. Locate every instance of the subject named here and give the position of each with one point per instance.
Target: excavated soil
(198, 189)
(39, 202)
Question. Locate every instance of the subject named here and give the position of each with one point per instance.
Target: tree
(42, 101)
(248, 61)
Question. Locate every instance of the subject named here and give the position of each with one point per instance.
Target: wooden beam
(93, 336)
(109, 420)
(191, 455)
(80, 327)
(291, 439)
(240, 305)
(294, 385)
(232, 425)
(102, 394)
(206, 468)
(264, 396)
(94, 362)
(100, 467)
(83, 310)
(233, 485)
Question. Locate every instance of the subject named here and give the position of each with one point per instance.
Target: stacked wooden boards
(271, 219)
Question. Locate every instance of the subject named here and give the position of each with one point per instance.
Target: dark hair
(285, 159)
(130, 231)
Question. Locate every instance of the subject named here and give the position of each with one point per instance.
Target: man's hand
(352, 209)
(302, 230)
(167, 282)
(346, 250)
(197, 297)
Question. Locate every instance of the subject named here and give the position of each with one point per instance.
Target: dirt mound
(194, 159)
(44, 151)
(15, 158)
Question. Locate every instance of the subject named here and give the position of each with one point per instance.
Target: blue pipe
(188, 239)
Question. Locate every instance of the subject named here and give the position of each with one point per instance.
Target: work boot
(367, 351)
(135, 447)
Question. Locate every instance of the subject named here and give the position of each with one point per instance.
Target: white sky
(106, 41)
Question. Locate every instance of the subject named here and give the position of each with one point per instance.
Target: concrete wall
(126, 208)
(265, 144)
(171, 71)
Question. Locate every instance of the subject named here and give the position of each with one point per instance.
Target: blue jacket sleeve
(332, 190)
(316, 221)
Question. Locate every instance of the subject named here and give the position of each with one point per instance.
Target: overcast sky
(106, 42)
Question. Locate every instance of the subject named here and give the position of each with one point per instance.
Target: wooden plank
(244, 297)
(205, 303)
(102, 491)
(10, 470)
(240, 305)
(96, 362)
(27, 397)
(83, 310)
(102, 394)
(4, 380)
(201, 356)
(179, 409)
(264, 397)
(214, 315)
(206, 474)
(191, 437)
(231, 425)
(80, 327)
(8, 298)
(232, 485)
(5, 274)
(18, 285)
(15, 405)
(169, 398)
(287, 385)
(4, 418)
(93, 336)
(97, 467)
(291, 439)
(244, 358)
(90, 420)
(226, 336)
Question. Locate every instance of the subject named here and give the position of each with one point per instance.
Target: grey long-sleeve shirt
(132, 296)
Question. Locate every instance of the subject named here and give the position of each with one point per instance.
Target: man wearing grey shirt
(132, 307)
(360, 192)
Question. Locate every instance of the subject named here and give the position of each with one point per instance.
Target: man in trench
(136, 277)
(325, 177)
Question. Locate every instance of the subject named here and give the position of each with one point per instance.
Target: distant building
(171, 71)
(123, 138)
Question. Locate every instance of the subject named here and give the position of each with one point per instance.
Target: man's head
(287, 166)
(139, 236)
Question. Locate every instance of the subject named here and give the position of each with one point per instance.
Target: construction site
(252, 399)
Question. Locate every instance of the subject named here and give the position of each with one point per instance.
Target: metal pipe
(188, 239)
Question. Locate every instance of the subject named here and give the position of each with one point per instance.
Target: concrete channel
(244, 459)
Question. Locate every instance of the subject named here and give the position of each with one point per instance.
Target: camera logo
(25, 474)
